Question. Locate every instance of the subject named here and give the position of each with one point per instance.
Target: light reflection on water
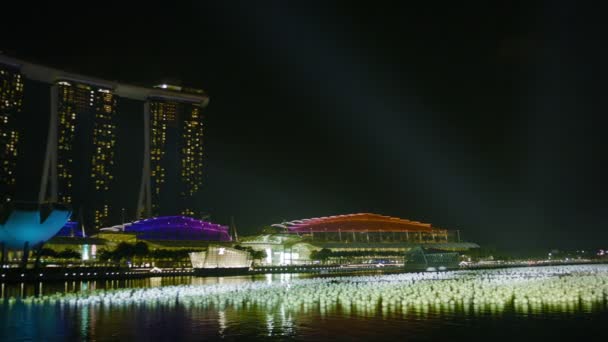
(199, 323)
(311, 321)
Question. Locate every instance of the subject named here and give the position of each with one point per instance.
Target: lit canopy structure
(364, 227)
(357, 223)
(28, 226)
(178, 228)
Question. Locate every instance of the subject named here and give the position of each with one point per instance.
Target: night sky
(480, 117)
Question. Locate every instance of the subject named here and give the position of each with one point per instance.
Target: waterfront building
(167, 233)
(353, 238)
(217, 257)
(280, 244)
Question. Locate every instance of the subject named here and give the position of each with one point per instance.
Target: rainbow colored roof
(361, 222)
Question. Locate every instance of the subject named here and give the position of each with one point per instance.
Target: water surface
(183, 320)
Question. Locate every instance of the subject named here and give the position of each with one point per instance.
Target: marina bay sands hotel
(102, 148)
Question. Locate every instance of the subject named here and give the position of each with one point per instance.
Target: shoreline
(16, 275)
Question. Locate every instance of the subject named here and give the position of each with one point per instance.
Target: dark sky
(488, 118)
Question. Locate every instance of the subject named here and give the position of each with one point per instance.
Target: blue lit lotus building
(23, 226)
(178, 228)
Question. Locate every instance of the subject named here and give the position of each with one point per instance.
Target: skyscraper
(192, 158)
(11, 98)
(85, 148)
(94, 144)
(175, 172)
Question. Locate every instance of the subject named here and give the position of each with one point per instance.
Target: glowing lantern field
(533, 289)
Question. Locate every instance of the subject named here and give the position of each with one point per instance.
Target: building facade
(351, 239)
(86, 149)
(176, 156)
(11, 100)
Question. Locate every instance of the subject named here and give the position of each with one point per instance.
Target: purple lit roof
(70, 229)
(178, 228)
